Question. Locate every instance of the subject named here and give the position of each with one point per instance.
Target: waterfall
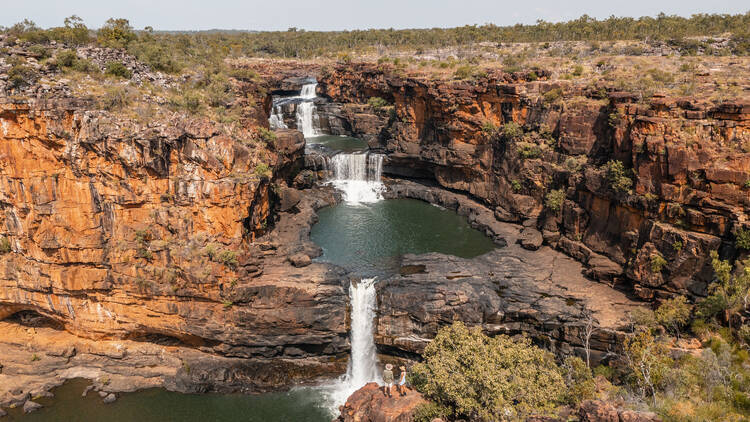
(305, 115)
(358, 176)
(363, 362)
(306, 110)
(276, 120)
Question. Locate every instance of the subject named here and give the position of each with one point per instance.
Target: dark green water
(338, 143)
(304, 405)
(368, 239)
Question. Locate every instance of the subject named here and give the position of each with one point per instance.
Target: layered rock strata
(682, 192)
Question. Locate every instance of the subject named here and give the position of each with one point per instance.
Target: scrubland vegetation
(684, 361)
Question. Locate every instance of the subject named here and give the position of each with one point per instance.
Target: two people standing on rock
(388, 380)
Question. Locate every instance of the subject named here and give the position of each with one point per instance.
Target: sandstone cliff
(687, 161)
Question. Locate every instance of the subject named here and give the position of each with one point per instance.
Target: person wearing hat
(388, 380)
(402, 381)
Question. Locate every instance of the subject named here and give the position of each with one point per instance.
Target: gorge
(263, 254)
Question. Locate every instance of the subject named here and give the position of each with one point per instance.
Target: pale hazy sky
(342, 14)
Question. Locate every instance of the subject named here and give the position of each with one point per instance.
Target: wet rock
(288, 198)
(109, 398)
(3, 413)
(370, 404)
(31, 406)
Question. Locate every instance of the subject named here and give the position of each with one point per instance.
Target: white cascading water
(363, 363)
(306, 110)
(276, 120)
(305, 115)
(358, 176)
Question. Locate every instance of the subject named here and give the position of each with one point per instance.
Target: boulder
(300, 260)
(31, 406)
(370, 404)
(109, 398)
(530, 238)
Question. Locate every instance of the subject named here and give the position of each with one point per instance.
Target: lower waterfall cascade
(362, 366)
(358, 176)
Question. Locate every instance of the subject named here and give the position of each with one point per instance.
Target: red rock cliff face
(688, 162)
(125, 230)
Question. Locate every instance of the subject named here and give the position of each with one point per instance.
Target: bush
(116, 33)
(66, 58)
(4, 245)
(263, 171)
(228, 258)
(117, 69)
(528, 150)
(430, 411)
(511, 130)
(657, 263)
(581, 385)
(553, 95)
(617, 176)
(743, 239)
(673, 314)
(554, 200)
(20, 76)
(489, 128)
(377, 103)
(478, 377)
(267, 136)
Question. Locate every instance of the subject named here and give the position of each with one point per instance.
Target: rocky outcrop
(511, 290)
(683, 190)
(370, 404)
(160, 232)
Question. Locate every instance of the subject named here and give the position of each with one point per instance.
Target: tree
(649, 361)
(116, 33)
(485, 378)
(673, 314)
(730, 293)
(587, 330)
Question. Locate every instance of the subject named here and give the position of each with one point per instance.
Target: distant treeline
(295, 43)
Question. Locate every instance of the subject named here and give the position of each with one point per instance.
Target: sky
(330, 15)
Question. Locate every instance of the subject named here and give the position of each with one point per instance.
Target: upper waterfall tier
(304, 107)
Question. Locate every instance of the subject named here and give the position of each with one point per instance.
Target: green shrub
(20, 76)
(554, 199)
(116, 33)
(673, 314)
(267, 136)
(218, 93)
(263, 171)
(228, 258)
(66, 58)
(617, 176)
(577, 70)
(428, 412)
(489, 128)
(657, 263)
(747, 184)
(743, 239)
(516, 185)
(4, 245)
(468, 71)
(677, 245)
(377, 103)
(117, 69)
(85, 66)
(40, 51)
(511, 130)
(553, 95)
(478, 377)
(527, 150)
(578, 378)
